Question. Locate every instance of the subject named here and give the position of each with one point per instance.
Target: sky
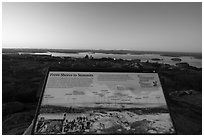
(115, 26)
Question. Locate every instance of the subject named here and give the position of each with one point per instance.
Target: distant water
(143, 57)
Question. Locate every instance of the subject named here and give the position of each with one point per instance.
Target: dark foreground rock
(17, 123)
(12, 107)
(186, 110)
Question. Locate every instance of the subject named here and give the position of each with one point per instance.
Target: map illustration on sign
(103, 103)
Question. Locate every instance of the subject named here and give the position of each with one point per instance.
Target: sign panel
(103, 103)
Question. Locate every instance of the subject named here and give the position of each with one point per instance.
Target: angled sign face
(102, 103)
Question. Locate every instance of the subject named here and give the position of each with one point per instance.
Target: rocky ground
(18, 119)
(22, 78)
(186, 112)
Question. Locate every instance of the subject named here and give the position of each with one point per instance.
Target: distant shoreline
(131, 52)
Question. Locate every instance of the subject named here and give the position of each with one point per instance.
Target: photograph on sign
(103, 103)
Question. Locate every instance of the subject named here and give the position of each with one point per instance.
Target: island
(156, 59)
(176, 59)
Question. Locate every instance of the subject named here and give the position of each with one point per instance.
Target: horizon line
(99, 49)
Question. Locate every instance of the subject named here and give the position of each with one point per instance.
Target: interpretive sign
(102, 103)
